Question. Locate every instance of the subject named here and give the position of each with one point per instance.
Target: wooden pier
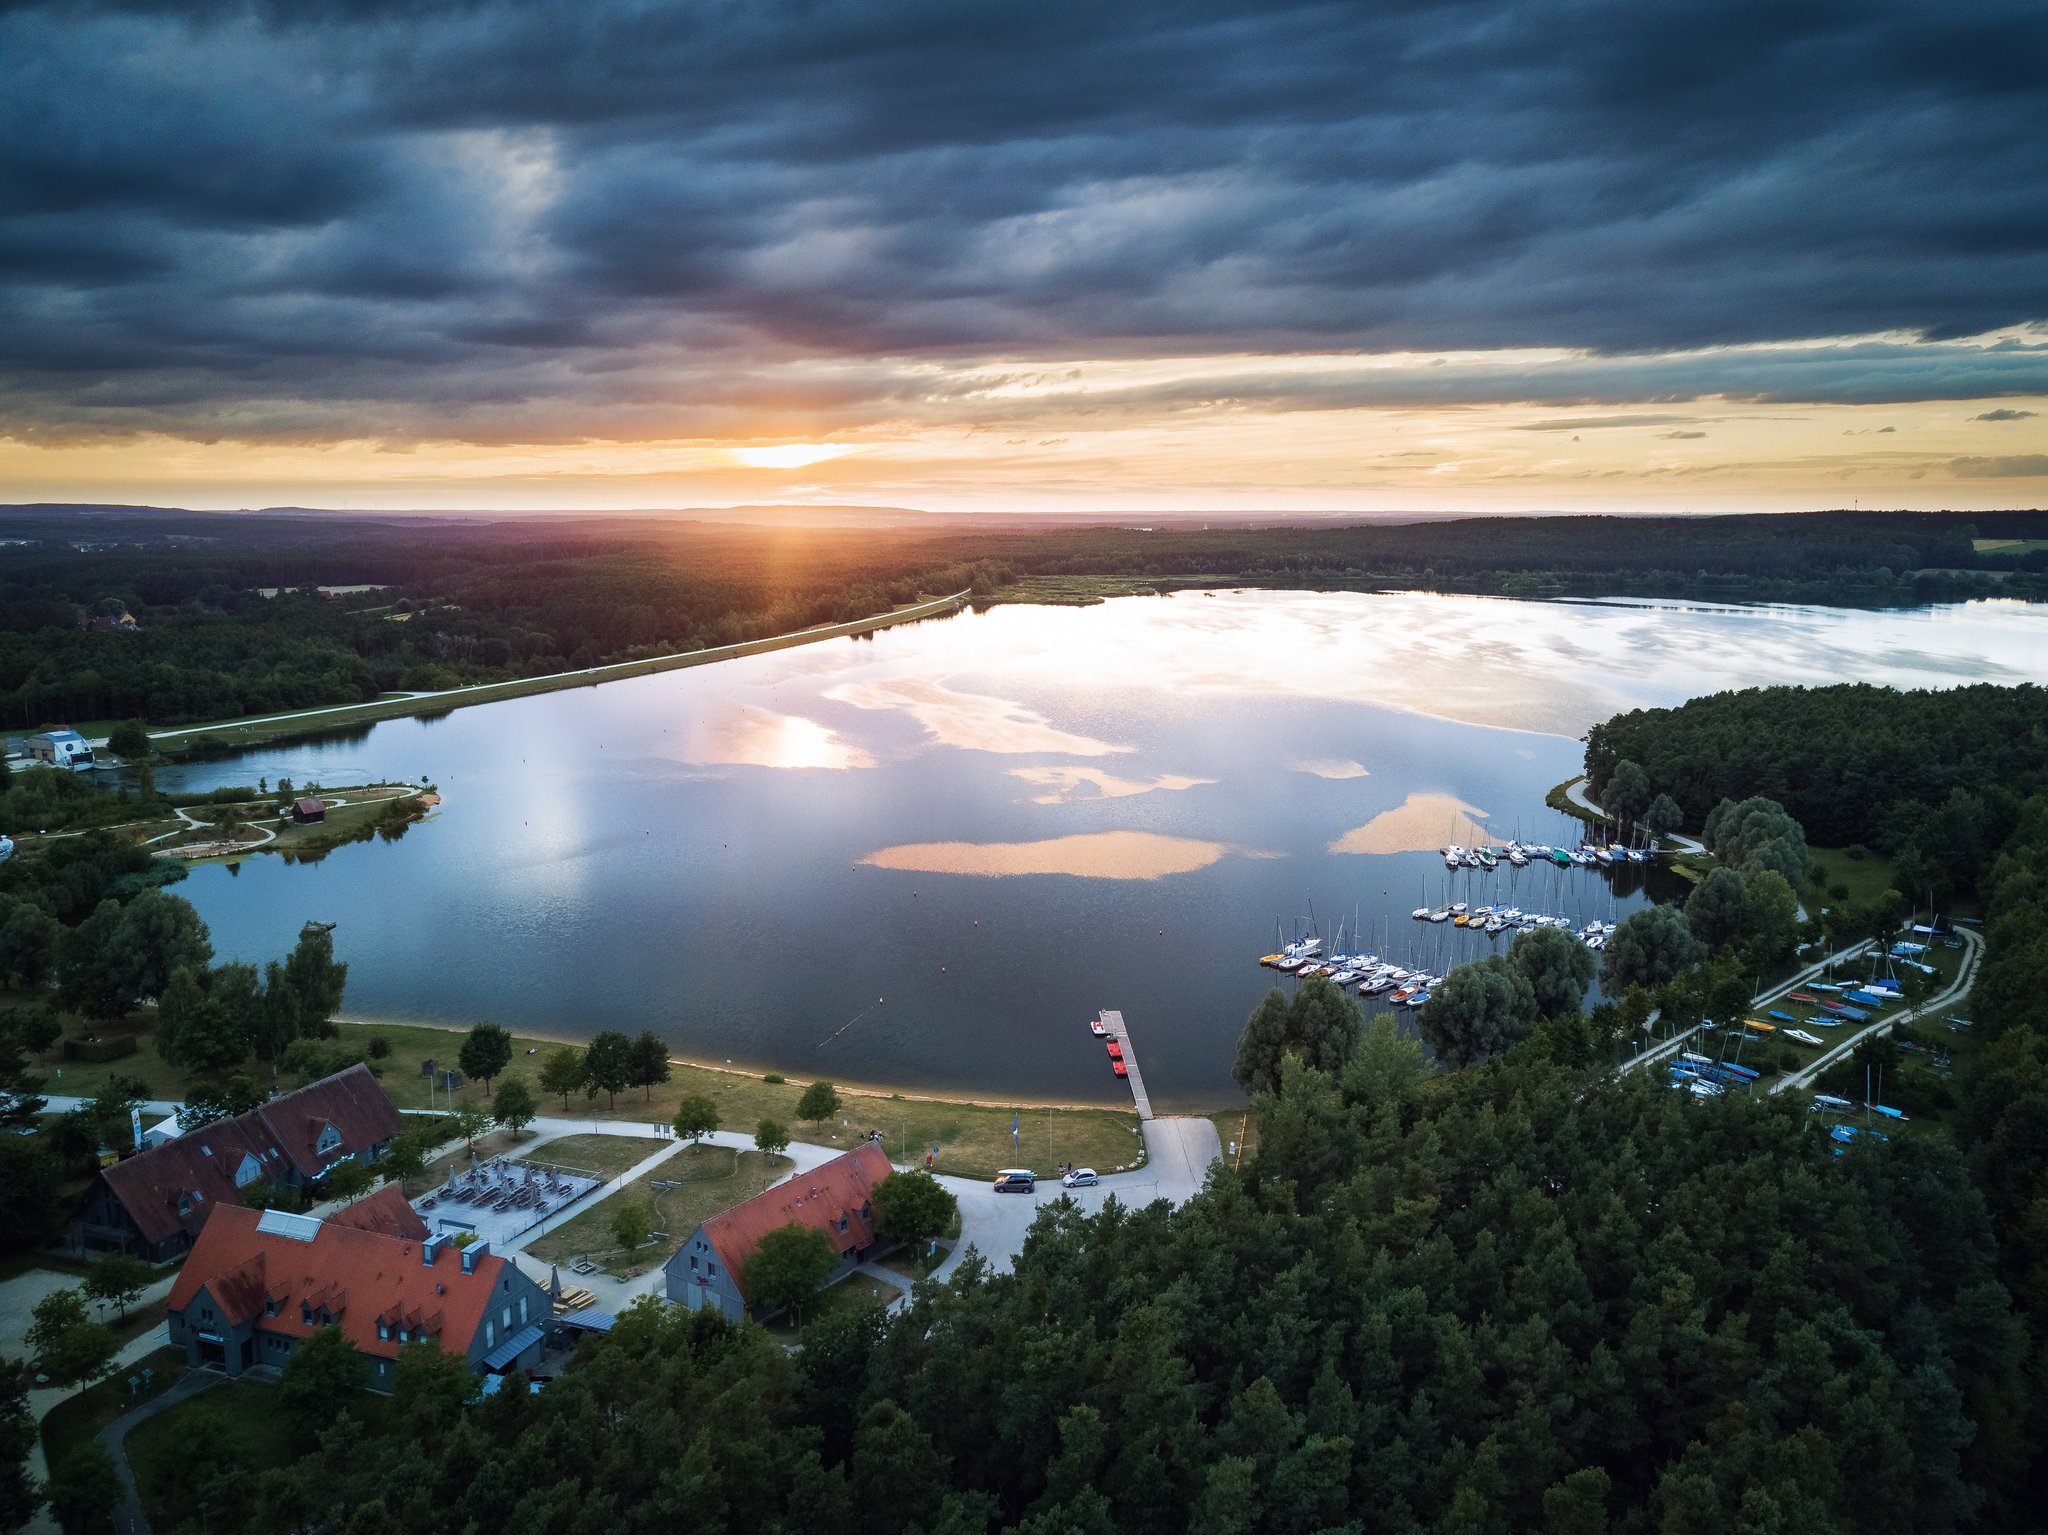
(1114, 1022)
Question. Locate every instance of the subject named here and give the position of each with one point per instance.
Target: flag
(1013, 1130)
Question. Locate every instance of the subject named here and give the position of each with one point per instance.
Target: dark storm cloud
(482, 217)
(2006, 413)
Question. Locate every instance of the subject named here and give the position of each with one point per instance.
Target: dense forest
(1933, 778)
(1504, 1299)
(464, 600)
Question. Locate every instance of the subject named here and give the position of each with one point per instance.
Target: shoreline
(229, 736)
(875, 1090)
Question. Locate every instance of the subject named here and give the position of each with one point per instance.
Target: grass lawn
(605, 1155)
(1865, 877)
(256, 1434)
(85, 1414)
(1236, 1125)
(914, 1262)
(973, 1139)
(709, 1179)
(856, 1292)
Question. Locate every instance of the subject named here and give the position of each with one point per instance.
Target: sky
(1754, 255)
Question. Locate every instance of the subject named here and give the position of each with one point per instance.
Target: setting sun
(789, 455)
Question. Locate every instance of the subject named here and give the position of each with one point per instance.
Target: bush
(379, 1047)
(775, 1079)
(114, 1049)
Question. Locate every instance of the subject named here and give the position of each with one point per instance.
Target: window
(490, 1334)
(330, 1140)
(405, 1335)
(383, 1331)
(522, 1311)
(693, 1263)
(505, 1317)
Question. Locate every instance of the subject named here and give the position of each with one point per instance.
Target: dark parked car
(1013, 1180)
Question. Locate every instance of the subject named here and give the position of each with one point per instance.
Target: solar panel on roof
(282, 1223)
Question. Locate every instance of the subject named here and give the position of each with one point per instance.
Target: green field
(973, 1139)
(605, 1155)
(1864, 877)
(78, 1418)
(236, 1423)
(708, 1178)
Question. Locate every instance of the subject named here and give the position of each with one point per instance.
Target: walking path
(42, 1400)
(1114, 1022)
(486, 692)
(1764, 998)
(1575, 791)
(128, 1515)
(1966, 976)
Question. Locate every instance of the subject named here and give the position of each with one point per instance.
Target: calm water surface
(965, 836)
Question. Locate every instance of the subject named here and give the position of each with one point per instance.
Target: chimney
(471, 1253)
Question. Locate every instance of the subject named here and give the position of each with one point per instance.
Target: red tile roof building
(836, 1198)
(157, 1201)
(260, 1282)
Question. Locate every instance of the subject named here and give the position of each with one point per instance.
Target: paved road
(1178, 1152)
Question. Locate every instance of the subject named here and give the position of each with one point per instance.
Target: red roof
(387, 1211)
(174, 1186)
(823, 1198)
(351, 1101)
(359, 1276)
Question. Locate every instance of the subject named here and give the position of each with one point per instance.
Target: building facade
(260, 1283)
(60, 748)
(156, 1202)
(709, 1270)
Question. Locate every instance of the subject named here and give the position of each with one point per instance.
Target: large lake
(927, 857)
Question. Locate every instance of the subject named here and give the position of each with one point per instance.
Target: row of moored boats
(1521, 854)
(1501, 919)
(1372, 976)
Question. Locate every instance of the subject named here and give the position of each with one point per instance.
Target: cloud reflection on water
(971, 721)
(1093, 855)
(1062, 782)
(1420, 823)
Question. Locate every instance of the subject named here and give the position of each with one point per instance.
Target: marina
(1408, 981)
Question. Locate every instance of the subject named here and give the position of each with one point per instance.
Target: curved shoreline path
(493, 692)
(1575, 791)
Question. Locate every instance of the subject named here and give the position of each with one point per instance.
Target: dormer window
(383, 1330)
(330, 1140)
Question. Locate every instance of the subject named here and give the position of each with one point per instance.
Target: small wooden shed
(308, 810)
